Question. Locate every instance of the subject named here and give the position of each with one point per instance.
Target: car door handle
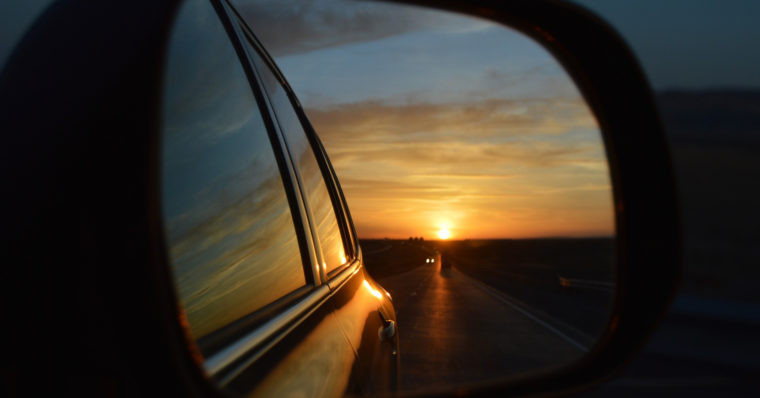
(388, 330)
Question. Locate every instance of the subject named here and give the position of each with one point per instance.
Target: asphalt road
(486, 317)
(456, 330)
(578, 307)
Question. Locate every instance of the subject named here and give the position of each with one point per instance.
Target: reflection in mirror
(220, 186)
(476, 177)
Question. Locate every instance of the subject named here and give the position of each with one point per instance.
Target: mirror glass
(476, 177)
(474, 172)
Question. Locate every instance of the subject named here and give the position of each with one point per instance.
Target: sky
(437, 121)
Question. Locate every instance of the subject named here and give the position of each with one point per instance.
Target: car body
(265, 269)
(264, 253)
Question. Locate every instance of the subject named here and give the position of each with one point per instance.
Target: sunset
(445, 127)
(473, 169)
(381, 198)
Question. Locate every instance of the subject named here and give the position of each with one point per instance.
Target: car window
(312, 181)
(348, 227)
(230, 234)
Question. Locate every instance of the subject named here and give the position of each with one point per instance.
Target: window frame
(230, 349)
(340, 209)
(351, 242)
(238, 351)
(275, 138)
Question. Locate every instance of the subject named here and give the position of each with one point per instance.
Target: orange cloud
(498, 168)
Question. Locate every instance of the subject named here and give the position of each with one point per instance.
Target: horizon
(484, 239)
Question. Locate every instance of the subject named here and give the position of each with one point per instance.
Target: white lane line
(501, 297)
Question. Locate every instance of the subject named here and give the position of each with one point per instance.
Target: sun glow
(444, 233)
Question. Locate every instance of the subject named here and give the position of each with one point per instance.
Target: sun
(444, 233)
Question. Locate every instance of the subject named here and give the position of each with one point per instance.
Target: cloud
(441, 127)
(481, 166)
(313, 25)
(489, 138)
(482, 120)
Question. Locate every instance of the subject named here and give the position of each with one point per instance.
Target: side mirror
(94, 305)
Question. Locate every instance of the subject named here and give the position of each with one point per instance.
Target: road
(456, 330)
(579, 307)
(499, 314)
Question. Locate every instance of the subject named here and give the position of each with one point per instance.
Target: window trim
(306, 248)
(318, 257)
(231, 360)
(351, 237)
(232, 348)
(230, 333)
(340, 209)
(235, 347)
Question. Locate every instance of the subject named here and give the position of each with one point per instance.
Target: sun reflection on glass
(372, 290)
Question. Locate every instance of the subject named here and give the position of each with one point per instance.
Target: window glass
(231, 237)
(321, 206)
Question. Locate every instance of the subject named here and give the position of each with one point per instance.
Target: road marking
(502, 297)
(586, 284)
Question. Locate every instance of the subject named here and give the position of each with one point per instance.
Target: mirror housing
(82, 239)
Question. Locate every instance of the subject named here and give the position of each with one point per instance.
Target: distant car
(249, 226)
